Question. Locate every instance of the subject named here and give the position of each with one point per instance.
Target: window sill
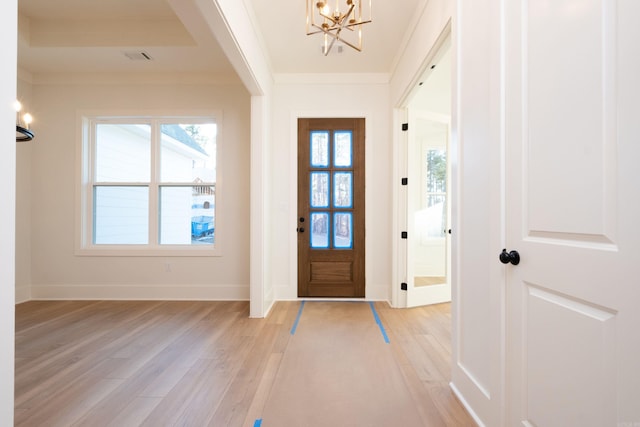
(129, 251)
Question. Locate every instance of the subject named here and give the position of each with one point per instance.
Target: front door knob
(512, 257)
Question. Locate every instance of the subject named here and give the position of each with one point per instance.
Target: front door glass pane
(342, 190)
(320, 149)
(320, 230)
(342, 149)
(342, 236)
(319, 190)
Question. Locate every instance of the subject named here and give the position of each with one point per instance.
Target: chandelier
(23, 133)
(338, 25)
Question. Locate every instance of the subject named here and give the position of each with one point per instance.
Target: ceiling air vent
(138, 56)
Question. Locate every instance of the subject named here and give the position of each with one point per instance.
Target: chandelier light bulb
(28, 118)
(23, 133)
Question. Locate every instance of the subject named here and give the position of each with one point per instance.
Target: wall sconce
(23, 133)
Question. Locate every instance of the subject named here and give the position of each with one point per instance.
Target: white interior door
(573, 206)
(428, 210)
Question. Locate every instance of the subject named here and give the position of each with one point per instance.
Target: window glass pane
(342, 151)
(436, 171)
(121, 215)
(342, 236)
(188, 153)
(434, 218)
(320, 149)
(187, 215)
(342, 190)
(436, 186)
(319, 190)
(320, 230)
(123, 153)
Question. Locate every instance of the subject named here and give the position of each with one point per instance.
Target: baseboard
(141, 292)
(466, 405)
(23, 294)
(268, 309)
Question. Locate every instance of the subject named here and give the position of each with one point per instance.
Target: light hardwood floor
(157, 363)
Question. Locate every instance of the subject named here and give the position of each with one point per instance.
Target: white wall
(421, 48)
(234, 28)
(478, 368)
(23, 203)
(478, 313)
(359, 96)
(8, 35)
(57, 273)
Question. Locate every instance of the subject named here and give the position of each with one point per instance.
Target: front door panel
(330, 207)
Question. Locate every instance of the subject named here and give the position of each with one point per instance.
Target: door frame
(292, 291)
(401, 115)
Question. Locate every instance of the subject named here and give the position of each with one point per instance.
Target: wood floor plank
(256, 410)
(332, 373)
(237, 399)
(84, 393)
(136, 412)
(71, 359)
(87, 360)
(196, 363)
(151, 361)
(201, 389)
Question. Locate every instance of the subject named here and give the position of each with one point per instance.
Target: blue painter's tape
(379, 322)
(295, 324)
(258, 423)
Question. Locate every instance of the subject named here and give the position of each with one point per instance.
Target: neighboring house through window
(148, 186)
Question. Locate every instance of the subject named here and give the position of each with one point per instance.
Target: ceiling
(80, 36)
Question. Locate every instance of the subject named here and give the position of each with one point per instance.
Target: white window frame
(87, 122)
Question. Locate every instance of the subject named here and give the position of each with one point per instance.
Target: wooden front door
(331, 207)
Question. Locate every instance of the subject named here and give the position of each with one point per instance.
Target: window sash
(89, 245)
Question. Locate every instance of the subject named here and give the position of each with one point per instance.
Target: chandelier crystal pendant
(343, 23)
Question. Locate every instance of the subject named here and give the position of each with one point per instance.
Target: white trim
(9, 31)
(349, 79)
(416, 19)
(119, 79)
(293, 189)
(177, 292)
(271, 302)
(399, 201)
(85, 120)
(23, 294)
(466, 405)
(257, 226)
(323, 299)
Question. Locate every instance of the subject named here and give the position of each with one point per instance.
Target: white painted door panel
(573, 206)
(428, 251)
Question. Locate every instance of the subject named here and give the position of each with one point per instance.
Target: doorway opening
(428, 207)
